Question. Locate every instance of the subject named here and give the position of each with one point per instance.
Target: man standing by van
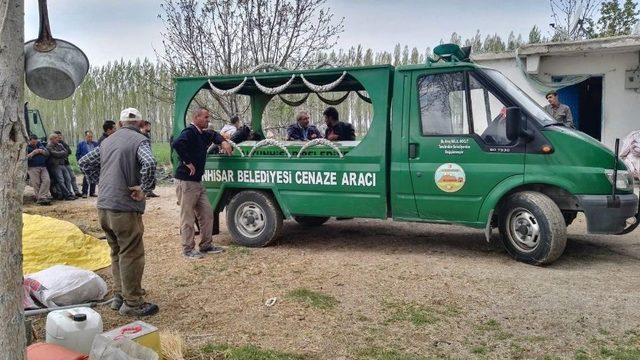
(557, 110)
(126, 169)
(191, 146)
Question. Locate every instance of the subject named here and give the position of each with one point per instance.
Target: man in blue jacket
(191, 146)
(302, 130)
(85, 147)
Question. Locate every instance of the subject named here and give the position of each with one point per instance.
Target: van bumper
(603, 217)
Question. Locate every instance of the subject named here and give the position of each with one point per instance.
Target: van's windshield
(521, 97)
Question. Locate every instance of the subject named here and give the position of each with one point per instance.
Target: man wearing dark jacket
(191, 146)
(109, 127)
(67, 165)
(58, 154)
(336, 129)
(38, 175)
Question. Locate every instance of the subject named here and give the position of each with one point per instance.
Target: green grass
(416, 314)
(376, 353)
(247, 352)
(162, 153)
(314, 299)
(479, 350)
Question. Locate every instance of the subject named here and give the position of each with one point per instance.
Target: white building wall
(621, 107)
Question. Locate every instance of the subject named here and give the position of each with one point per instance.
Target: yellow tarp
(47, 241)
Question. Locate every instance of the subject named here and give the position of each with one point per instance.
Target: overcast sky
(113, 29)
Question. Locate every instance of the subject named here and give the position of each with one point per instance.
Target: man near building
(336, 129)
(38, 175)
(124, 167)
(302, 130)
(191, 146)
(109, 127)
(559, 111)
(85, 147)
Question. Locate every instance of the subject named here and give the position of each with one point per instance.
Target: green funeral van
(449, 142)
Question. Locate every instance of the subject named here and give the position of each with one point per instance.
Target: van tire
(311, 221)
(533, 228)
(253, 218)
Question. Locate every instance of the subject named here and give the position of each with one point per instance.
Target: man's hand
(192, 169)
(136, 193)
(226, 148)
(333, 137)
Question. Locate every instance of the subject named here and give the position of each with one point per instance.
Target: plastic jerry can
(74, 328)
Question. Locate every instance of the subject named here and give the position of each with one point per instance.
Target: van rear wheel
(253, 218)
(533, 228)
(311, 220)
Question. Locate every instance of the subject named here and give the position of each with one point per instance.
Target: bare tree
(231, 36)
(13, 169)
(572, 18)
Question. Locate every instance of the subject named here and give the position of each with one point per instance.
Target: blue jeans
(63, 180)
(72, 179)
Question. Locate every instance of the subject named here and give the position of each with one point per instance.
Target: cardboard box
(140, 332)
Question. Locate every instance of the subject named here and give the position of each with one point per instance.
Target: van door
(458, 149)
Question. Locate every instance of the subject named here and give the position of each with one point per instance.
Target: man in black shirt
(191, 146)
(109, 127)
(336, 129)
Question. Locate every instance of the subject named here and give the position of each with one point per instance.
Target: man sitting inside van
(301, 130)
(336, 129)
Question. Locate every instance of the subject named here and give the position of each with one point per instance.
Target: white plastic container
(74, 328)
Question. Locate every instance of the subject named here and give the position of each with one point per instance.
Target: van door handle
(413, 150)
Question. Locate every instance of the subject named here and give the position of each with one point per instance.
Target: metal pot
(54, 68)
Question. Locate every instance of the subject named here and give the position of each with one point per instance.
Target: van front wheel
(533, 228)
(253, 218)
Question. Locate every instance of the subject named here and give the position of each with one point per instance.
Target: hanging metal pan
(54, 68)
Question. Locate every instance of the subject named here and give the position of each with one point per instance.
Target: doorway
(585, 101)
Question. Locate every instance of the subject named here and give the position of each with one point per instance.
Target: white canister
(74, 328)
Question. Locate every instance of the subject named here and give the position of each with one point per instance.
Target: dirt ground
(370, 289)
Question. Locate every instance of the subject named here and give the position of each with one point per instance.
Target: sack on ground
(63, 285)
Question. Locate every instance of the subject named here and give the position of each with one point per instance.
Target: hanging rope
(335, 102)
(231, 91)
(323, 88)
(294, 103)
(275, 90)
(363, 97)
(269, 142)
(321, 142)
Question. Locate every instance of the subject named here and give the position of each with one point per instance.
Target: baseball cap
(130, 114)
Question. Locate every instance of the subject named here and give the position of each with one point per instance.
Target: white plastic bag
(104, 348)
(63, 285)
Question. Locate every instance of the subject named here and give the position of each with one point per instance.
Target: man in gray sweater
(124, 168)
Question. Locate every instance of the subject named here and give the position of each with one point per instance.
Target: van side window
(489, 114)
(442, 104)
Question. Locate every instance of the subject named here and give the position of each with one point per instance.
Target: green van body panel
(376, 178)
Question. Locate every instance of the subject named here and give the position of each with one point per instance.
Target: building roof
(616, 44)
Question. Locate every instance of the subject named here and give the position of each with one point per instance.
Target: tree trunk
(12, 168)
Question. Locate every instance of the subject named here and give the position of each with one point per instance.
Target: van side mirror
(514, 123)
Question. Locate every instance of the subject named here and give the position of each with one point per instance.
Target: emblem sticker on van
(450, 177)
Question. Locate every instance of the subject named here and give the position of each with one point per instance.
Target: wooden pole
(12, 181)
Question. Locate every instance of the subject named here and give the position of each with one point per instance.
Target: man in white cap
(125, 169)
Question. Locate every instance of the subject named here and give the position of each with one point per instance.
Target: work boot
(43, 202)
(117, 302)
(146, 309)
(211, 249)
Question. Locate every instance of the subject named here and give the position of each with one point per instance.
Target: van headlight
(625, 179)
